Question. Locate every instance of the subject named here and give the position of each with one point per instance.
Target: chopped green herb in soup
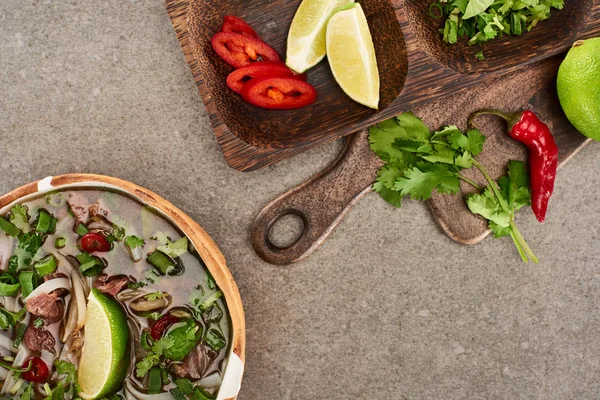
(103, 298)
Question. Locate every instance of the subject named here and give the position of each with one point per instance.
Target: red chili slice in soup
(239, 50)
(238, 78)
(163, 324)
(38, 370)
(237, 25)
(92, 242)
(279, 93)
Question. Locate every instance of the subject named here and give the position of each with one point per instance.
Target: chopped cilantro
(174, 249)
(154, 356)
(479, 56)
(154, 295)
(133, 241)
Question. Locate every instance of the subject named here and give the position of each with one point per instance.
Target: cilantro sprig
(419, 162)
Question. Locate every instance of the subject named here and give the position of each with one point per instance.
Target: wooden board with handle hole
(323, 200)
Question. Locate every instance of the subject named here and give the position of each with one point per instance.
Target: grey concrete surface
(388, 308)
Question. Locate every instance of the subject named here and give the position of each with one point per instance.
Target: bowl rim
(205, 246)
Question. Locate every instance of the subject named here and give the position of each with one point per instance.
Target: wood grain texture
(434, 70)
(326, 198)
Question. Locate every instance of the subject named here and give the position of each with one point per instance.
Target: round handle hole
(286, 230)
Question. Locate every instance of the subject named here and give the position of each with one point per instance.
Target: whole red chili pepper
(527, 128)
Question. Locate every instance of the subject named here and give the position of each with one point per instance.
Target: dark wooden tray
(416, 67)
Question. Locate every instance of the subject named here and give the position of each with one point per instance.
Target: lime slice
(103, 362)
(306, 38)
(351, 55)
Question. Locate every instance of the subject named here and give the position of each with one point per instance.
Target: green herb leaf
(133, 241)
(174, 249)
(419, 182)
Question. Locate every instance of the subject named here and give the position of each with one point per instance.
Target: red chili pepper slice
(162, 324)
(92, 242)
(38, 371)
(239, 50)
(279, 93)
(238, 78)
(237, 25)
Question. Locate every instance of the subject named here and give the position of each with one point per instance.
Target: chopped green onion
(185, 386)
(89, 265)
(46, 265)
(146, 340)
(200, 394)
(9, 228)
(60, 242)
(28, 281)
(9, 286)
(38, 323)
(177, 394)
(432, 13)
(516, 26)
(47, 389)
(214, 339)
(46, 223)
(20, 333)
(81, 230)
(160, 261)
(154, 381)
(17, 386)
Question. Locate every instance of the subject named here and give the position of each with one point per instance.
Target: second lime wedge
(351, 55)
(104, 360)
(306, 38)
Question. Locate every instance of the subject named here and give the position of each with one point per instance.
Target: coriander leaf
(174, 249)
(412, 146)
(441, 154)
(414, 127)
(484, 204)
(383, 135)
(133, 241)
(154, 356)
(444, 133)
(500, 231)
(420, 182)
(479, 56)
(393, 197)
(458, 141)
(388, 175)
(476, 141)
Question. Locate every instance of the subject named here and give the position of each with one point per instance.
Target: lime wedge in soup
(103, 363)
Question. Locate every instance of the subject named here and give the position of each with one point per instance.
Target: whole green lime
(578, 86)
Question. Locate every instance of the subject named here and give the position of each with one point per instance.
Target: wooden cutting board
(323, 200)
(416, 68)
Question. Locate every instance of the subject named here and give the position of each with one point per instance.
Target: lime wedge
(306, 38)
(104, 361)
(351, 55)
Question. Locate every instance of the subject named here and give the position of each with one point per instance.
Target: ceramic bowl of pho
(108, 291)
